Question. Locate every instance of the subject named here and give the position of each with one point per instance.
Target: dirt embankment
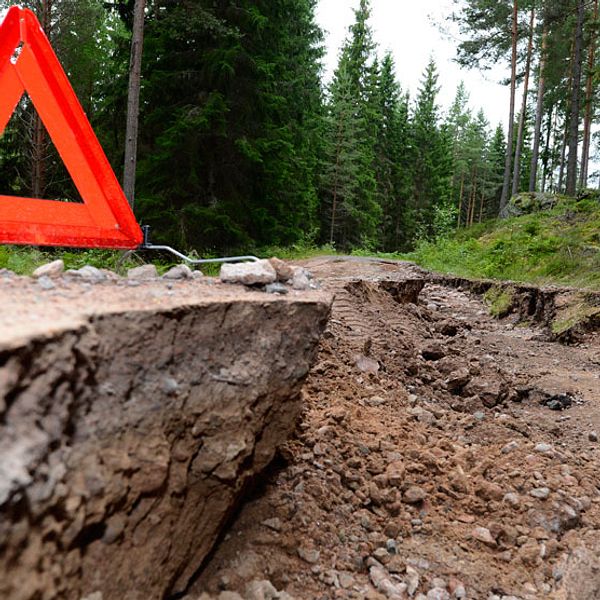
(132, 418)
(427, 463)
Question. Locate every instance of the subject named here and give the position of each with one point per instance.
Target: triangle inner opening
(30, 165)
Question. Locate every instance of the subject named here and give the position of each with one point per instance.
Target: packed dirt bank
(132, 417)
(428, 462)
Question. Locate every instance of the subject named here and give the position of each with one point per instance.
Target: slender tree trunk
(460, 199)
(571, 187)
(546, 156)
(589, 92)
(133, 101)
(481, 207)
(563, 155)
(520, 134)
(535, 158)
(39, 137)
(473, 205)
(511, 118)
(335, 186)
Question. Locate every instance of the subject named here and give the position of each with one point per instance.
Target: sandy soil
(425, 462)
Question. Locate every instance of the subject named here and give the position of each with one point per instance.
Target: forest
(242, 144)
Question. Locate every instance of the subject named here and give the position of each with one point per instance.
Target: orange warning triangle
(104, 220)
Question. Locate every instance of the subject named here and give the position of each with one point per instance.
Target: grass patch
(499, 300)
(574, 314)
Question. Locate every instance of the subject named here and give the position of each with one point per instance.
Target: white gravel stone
(90, 273)
(51, 269)
(250, 273)
(412, 580)
(179, 272)
(438, 594)
(143, 272)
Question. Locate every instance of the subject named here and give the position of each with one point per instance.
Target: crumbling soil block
(131, 425)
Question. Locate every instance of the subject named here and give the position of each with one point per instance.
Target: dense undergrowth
(558, 246)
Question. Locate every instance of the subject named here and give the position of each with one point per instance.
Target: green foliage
(24, 260)
(499, 300)
(557, 246)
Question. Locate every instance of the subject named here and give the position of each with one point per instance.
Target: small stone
(90, 273)
(414, 495)
(366, 365)
(512, 499)
(284, 271)
(412, 580)
(457, 588)
(379, 578)
(510, 447)
(458, 379)
(178, 272)
(310, 556)
(438, 582)
(274, 524)
(375, 401)
(382, 555)
(544, 449)
(593, 436)
(396, 565)
(438, 594)
(479, 416)
(277, 288)
(391, 546)
(301, 279)
(530, 553)
(51, 269)
(483, 535)
(248, 273)
(143, 272)
(540, 493)
(346, 580)
(114, 529)
(169, 386)
(261, 590)
(46, 283)
(93, 596)
(197, 274)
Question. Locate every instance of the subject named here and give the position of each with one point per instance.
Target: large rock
(130, 428)
(249, 273)
(52, 269)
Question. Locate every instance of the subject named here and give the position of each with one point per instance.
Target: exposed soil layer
(428, 459)
(131, 421)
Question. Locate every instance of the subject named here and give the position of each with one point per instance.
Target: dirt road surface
(425, 464)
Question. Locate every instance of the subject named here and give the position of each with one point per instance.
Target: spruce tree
(432, 152)
(356, 219)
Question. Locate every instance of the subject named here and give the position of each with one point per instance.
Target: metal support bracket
(148, 245)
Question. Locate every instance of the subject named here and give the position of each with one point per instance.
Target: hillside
(553, 240)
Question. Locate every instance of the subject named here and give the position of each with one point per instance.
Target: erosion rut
(425, 461)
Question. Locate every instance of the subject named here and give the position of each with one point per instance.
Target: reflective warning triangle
(104, 220)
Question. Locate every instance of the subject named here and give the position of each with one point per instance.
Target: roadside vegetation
(556, 246)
